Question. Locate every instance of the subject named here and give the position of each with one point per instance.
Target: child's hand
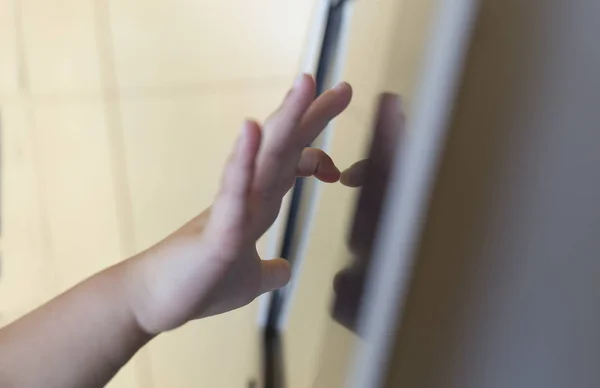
(211, 265)
(84, 336)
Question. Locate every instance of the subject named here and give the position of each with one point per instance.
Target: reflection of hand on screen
(372, 176)
(354, 176)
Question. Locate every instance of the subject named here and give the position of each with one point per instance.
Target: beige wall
(116, 117)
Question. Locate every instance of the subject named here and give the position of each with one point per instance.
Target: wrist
(135, 296)
(152, 289)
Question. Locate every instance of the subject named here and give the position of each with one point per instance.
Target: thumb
(275, 274)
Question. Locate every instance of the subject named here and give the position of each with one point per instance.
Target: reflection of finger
(355, 175)
(316, 162)
(340, 280)
(348, 286)
(348, 280)
(228, 215)
(390, 124)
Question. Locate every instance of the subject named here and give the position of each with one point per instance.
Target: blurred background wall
(116, 118)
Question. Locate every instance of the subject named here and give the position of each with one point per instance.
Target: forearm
(80, 339)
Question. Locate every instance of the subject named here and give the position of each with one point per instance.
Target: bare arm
(80, 339)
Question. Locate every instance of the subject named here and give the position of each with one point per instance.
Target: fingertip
(305, 81)
(304, 87)
(327, 171)
(250, 139)
(338, 98)
(343, 86)
(251, 128)
(251, 123)
(296, 102)
(315, 162)
(329, 176)
(345, 90)
(276, 274)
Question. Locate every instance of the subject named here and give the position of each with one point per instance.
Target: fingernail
(340, 85)
(298, 81)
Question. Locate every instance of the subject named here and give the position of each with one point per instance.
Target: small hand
(211, 265)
